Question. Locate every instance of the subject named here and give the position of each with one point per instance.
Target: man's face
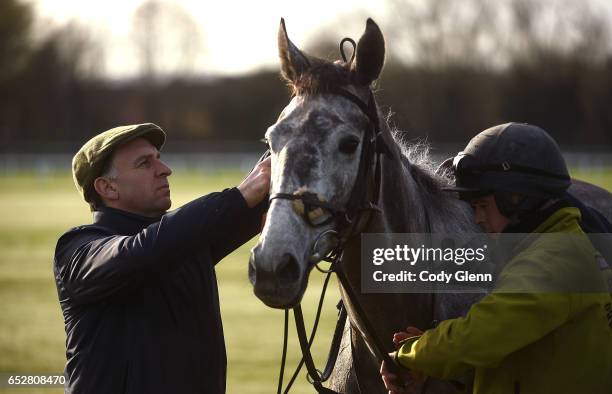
(487, 215)
(140, 179)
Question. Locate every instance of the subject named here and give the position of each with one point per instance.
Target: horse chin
(282, 303)
(282, 298)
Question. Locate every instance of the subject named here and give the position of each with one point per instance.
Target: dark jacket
(140, 301)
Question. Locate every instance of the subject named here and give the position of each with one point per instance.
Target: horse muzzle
(278, 280)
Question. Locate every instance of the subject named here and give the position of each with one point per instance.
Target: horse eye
(348, 145)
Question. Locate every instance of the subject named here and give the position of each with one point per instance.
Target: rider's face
(487, 214)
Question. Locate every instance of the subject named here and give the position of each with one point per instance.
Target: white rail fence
(213, 161)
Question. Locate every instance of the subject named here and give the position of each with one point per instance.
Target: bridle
(350, 221)
(372, 147)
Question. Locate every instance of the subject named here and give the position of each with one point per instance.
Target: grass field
(35, 210)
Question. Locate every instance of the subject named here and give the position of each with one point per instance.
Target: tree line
(452, 70)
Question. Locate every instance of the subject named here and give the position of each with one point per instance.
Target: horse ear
(293, 62)
(370, 56)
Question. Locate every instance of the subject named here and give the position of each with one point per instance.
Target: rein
(348, 221)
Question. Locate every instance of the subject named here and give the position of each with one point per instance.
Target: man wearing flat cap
(137, 287)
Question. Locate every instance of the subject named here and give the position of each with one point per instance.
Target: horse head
(317, 146)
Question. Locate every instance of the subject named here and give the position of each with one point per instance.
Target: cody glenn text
(426, 276)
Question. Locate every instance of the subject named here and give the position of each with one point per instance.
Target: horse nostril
(288, 270)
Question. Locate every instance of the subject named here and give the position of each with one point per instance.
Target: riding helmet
(511, 158)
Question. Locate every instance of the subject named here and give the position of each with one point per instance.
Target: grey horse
(315, 147)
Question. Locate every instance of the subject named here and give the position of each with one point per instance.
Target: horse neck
(403, 210)
(401, 199)
(411, 202)
(388, 313)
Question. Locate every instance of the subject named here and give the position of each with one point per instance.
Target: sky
(231, 36)
(237, 36)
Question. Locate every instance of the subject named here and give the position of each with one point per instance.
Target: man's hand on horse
(408, 381)
(256, 186)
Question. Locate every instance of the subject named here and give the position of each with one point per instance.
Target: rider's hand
(256, 186)
(409, 381)
(398, 337)
(402, 384)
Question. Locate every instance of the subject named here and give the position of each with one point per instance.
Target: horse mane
(416, 156)
(443, 207)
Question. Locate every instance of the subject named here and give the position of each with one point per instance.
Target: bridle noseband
(310, 207)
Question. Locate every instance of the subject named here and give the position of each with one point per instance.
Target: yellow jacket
(529, 342)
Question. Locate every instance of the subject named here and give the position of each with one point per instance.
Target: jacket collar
(560, 221)
(532, 222)
(554, 218)
(122, 222)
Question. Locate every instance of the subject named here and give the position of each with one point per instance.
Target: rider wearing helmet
(545, 341)
(509, 159)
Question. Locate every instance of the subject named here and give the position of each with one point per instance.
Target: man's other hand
(256, 186)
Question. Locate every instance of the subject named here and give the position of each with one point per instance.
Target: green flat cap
(90, 160)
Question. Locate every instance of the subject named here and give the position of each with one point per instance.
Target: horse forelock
(322, 77)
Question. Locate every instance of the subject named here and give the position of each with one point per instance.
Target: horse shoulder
(593, 196)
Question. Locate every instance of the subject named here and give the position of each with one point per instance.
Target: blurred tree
(551, 31)
(168, 43)
(15, 28)
(440, 33)
(479, 63)
(15, 36)
(167, 40)
(486, 34)
(55, 94)
(470, 64)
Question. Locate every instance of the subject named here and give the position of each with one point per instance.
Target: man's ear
(106, 189)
